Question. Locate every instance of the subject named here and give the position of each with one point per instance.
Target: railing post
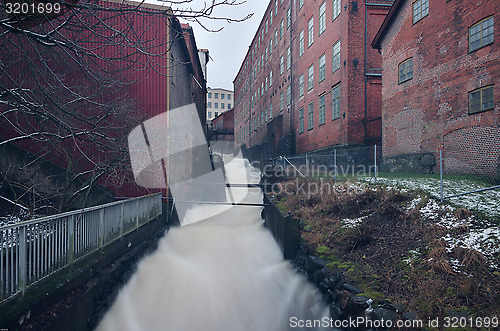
(375, 153)
(22, 259)
(441, 172)
(137, 213)
(101, 227)
(122, 217)
(71, 240)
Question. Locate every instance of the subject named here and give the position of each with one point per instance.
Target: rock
(357, 304)
(351, 288)
(335, 312)
(385, 314)
(314, 263)
(410, 316)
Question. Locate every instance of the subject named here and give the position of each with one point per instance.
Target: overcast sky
(228, 47)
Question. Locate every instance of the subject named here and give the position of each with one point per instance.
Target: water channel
(221, 270)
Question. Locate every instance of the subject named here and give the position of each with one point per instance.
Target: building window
(222, 105)
(282, 65)
(301, 85)
(270, 111)
(321, 109)
(275, 8)
(275, 38)
(216, 113)
(210, 94)
(310, 79)
(216, 95)
(420, 10)
(301, 120)
(222, 95)
(310, 32)
(288, 17)
(229, 97)
(301, 43)
(267, 26)
(281, 29)
(282, 101)
(481, 34)
(209, 114)
(209, 104)
(321, 74)
(301, 4)
(271, 17)
(288, 95)
(228, 106)
(270, 78)
(336, 56)
(405, 70)
(288, 58)
(310, 116)
(270, 46)
(322, 18)
(336, 102)
(481, 100)
(216, 106)
(336, 9)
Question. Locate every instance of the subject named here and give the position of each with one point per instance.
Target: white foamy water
(221, 270)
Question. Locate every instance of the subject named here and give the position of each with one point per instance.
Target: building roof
(382, 31)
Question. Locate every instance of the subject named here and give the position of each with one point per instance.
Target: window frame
(310, 77)
(310, 32)
(310, 116)
(322, 18)
(481, 22)
(336, 56)
(405, 65)
(322, 68)
(321, 109)
(301, 85)
(422, 16)
(301, 120)
(301, 43)
(336, 102)
(480, 90)
(336, 10)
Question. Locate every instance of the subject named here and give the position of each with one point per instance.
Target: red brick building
(163, 72)
(440, 86)
(310, 79)
(222, 127)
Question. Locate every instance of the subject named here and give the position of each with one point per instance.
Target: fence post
(441, 172)
(101, 227)
(71, 239)
(307, 164)
(22, 259)
(122, 217)
(335, 162)
(375, 148)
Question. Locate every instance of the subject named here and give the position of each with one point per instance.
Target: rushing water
(221, 270)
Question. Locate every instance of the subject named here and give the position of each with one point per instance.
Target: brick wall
(430, 111)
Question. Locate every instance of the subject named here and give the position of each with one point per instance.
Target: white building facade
(218, 101)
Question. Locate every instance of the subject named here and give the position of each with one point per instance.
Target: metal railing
(35, 249)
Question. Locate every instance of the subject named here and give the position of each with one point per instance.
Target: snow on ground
(479, 235)
(486, 202)
(353, 223)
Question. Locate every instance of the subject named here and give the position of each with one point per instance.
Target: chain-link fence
(464, 179)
